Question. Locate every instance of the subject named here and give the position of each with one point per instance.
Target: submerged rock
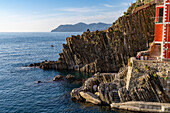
(35, 65)
(58, 77)
(38, 82)
(70, 77)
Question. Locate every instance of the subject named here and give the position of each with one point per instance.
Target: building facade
(162, 30)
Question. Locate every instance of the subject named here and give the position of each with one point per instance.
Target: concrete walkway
(139, 106)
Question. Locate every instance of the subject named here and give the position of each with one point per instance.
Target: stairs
(116, 96)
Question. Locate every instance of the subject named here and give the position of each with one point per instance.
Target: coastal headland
(110, 54)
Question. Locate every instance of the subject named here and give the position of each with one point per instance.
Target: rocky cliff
(107, 51)
(147, 81)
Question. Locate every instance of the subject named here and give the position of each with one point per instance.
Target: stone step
(168, 85)
(116, 97)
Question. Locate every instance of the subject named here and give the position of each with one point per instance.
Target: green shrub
(137, 70)
(116, 30)
(92, 42)
(166, 78)
(155, 75)
(147, 67)
(126, 13)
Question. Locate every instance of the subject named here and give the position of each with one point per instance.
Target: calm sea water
(19, 92)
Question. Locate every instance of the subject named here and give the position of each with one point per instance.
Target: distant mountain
(80, 27)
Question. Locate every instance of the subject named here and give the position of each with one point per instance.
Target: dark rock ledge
(140, 85)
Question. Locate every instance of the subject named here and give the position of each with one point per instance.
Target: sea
(19, 92)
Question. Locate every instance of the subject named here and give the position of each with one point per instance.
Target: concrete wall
(157, 65)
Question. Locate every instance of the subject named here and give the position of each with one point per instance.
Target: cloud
(125, 4)
(66, 15)
(107, 5)
(78, 10)
(38, 24)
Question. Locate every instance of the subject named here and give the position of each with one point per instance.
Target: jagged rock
(97, 94)
(75, 94)
(90, 97)
(106, 77)
(95, 88)
(106, 91)
(35, 65)
(89, 83)
(101, 86)
(38, 82)
(70, 77)
(144, 87)
(58, 77)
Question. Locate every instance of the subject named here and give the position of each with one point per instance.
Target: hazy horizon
(43, 15)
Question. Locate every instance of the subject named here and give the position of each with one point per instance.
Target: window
(160, 14)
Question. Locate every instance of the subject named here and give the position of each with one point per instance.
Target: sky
(45, 15)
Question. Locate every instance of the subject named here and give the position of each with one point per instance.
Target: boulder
(97, 94)
(107, 92)
(38, 82)
(34, 64)
(70, 77)
(31, 65)
(75, 94)
(58, 77)
(90, 97)
(95, 88)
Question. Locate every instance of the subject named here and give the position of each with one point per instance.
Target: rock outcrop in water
(142, 84)
(58, 78)
(109, 50)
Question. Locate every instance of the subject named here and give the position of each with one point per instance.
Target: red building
(162, 30)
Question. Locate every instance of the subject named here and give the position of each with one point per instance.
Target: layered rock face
(147, 83)
(107, 51)
(106, 89)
